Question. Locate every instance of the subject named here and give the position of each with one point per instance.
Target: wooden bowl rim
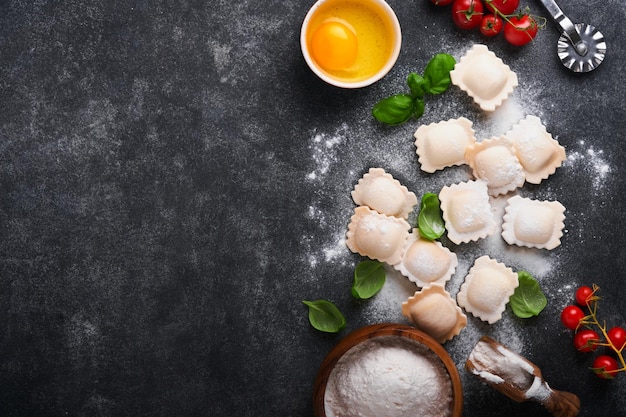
(379, 330)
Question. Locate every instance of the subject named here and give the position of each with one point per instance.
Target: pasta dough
(426, 261)
(487, 289)
(381, 192)
(443, 144)
(466, 211)
(433, 311)
(376, 235)
(533, 223)
(484, 77)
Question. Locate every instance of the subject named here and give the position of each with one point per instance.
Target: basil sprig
(429, 221)
(528, 300)
(325, 316)
(399, 108)
(369, 278)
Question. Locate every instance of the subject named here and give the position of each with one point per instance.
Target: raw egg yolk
(334, 46)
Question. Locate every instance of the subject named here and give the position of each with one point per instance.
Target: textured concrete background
(174, 181)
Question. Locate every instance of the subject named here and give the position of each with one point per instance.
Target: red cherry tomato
(571, 317)
(441, 2)
(617, 336)
(605, 367)
(586, 340)
(582, 295)
(503, 6)
(466, 14)
(519, 31)
(490, 25)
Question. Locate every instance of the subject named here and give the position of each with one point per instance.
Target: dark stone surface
(174, 181)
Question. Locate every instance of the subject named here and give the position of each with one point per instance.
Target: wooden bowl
(378, 330)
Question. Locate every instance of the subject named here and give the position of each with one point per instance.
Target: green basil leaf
(417, 84)
(437, 73)
(325, 316)
(394, 110)
(369, 278)
(418, 107)
(528, 300)
(429, 221)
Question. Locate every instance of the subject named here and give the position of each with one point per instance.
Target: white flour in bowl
(389, 376)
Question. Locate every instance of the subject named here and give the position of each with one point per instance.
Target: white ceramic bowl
(393, 57)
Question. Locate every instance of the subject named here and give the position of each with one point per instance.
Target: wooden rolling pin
(518, 378)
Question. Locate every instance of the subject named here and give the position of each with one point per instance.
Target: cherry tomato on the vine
(520, 30)
(605, 367)
(441, 2)
(490, 25)
(582, 295)
(571, 317)
(504, 6)
(617, 336)
(467, 14)
(586, 340)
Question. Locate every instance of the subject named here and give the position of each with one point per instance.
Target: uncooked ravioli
(494, 160)
(376, 235)
(533, 223)
(466, 211)
(487, 289)
(484, 77)
(426, 261)
(435, 312)
(381, 192)
(539, 154)
(443, 144)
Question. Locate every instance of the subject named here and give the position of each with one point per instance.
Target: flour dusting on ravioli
(494, 160)
(487, 289)
(466, 211)
(381, 192)
(484, 77)
(426, 261)
(376, 235)
(440, 145)
(539, 154)
(533, 223)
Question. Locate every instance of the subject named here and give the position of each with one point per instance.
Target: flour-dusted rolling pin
(518, 378)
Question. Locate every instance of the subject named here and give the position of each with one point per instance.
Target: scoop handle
(562, 404)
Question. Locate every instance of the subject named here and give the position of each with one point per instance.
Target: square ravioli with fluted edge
(484, 77)
(533, 223)
(442, 144)
(380, 191)
(487, 288)
(537, 151)
(494, 160)
(467, 213)
(425, 261)
(376, 235)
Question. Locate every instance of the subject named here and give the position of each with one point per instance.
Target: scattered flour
(386, 305)
(591, 162)
(324, 151)
(340, 158)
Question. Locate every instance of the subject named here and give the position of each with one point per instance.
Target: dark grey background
(174, 181)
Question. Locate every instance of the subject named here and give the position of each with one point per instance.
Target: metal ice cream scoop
(581, 47)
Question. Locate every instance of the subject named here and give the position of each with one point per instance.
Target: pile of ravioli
(379, 230)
